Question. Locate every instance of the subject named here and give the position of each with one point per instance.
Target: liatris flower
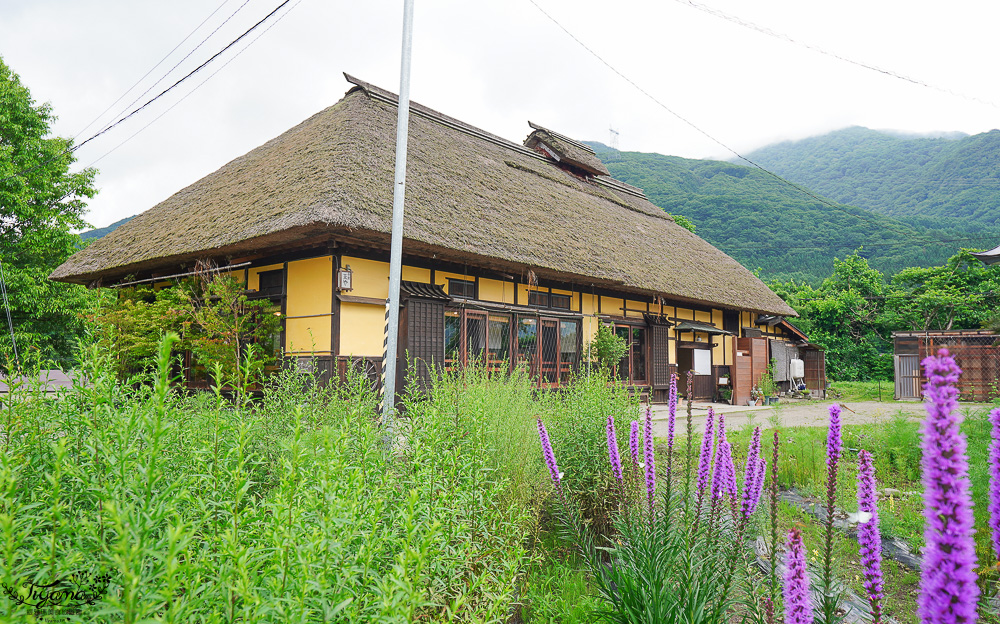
(671, 411)
(749, 474)
(831, 598)
(719, 472)
(833, 442)
(550, 457)
(869, 538)
(774, 519)
(648, 456)
(994, 507)
(948, 589)
(798, 609)
(633, 442)
(721, 476)
(768, 610)
(616, 460)
(705, 457)
(758, 486)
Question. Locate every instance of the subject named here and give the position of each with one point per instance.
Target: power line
(72, 149)
(198, 86)
(188, 75)
(10, 322)
(186, 56)
(718, 142)
(869, 66)
(152, 69)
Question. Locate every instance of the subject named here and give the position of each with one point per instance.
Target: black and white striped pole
(396, 250)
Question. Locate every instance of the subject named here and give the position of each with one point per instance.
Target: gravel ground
(794, 413)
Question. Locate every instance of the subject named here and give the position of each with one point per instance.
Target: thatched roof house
(546, 208)
(469, 193)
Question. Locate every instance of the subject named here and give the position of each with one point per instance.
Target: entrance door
(907, 377)
(549, 364)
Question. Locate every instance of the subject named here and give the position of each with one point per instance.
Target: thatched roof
(470, 197)
(565, 150)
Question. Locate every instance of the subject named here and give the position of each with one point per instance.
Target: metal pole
(396, 251)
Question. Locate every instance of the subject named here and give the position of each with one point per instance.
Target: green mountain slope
(951, 182)
(769, 225)
(104, 231)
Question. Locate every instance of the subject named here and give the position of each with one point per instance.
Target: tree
(40, 203)
(961, 294)
(845, 316)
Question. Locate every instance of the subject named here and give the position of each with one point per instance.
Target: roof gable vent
(565, 152)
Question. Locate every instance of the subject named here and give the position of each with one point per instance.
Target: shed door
(907, 376)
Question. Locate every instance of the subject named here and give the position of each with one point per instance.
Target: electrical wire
(718, 142)
(152, 69)
(198, 86)
(869, 66)
(74, 148)
(10, 322)
(186, 56)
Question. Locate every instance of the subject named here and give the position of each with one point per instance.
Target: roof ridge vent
(566, 152)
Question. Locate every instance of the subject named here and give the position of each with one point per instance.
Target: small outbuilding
(976, 351)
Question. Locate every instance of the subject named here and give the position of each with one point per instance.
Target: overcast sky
(497, 64)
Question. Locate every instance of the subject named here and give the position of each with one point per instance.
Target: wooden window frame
(464, 286)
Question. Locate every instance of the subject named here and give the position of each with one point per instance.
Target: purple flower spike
(798, 609)
(616, 460)
(994, 507)
(758, 486)
(649, 457)
(720, 479)
(724, 477)
(833, 442)
(750, 474)
(948, 589)
(633, 442)
(869, 538)
(705, 458)
(671, 412)
(550, 457)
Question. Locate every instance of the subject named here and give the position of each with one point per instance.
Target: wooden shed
(976, 351)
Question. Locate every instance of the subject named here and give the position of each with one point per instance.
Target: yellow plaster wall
(496, 290)
(611, 306)
(370, 278)
(253, 275)
(635, 309)
(310, 284)
(414, 274)
(362, 329)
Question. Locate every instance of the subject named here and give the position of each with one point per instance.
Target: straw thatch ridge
(469, 195)
(567, 150)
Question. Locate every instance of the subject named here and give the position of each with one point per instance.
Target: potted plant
(768, 387)
(725, 395)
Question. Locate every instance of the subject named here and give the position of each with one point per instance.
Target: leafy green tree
(961, 294)
(845, 316)
(40, 203)
(230, 336)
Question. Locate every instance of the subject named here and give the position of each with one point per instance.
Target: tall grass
(289, 510)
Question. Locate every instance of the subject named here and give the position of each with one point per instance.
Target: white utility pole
(396, 250)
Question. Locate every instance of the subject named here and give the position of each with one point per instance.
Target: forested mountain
(951, 181)
(104, 231)
(767, 224)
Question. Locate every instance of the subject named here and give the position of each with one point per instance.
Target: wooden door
(907, 377)
(548, 354)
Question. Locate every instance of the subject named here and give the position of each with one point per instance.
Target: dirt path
(793, 414)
